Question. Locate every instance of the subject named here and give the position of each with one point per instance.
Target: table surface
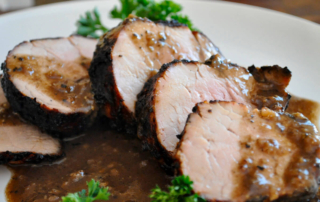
(307, 9)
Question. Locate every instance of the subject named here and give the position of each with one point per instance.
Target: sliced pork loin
(128, 55)
(167, 98)
(46, 81)
(207, 47)
(24, 143)
(235, 153)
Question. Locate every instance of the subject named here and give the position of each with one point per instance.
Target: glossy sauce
(309, 108)
(254, 87)
(279, 158)
(7, 116)
(116, 160)
(65, 82)
(257, 174)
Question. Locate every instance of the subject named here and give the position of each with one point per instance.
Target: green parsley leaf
(95, 192)
(183, 19)
(158, 11)
(90, 24)
(180, 191)
(163, 10)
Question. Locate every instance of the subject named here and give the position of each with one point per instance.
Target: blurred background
(307, 9)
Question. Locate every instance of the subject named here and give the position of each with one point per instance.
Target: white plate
(247, 35)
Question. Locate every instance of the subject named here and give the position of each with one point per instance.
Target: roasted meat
(128, 55)
(207, 47)
(235, 153)
(168, 97)
(46, 82)
(24, 143)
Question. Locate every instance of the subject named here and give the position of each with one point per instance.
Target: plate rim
(19, 13)
(221, 2)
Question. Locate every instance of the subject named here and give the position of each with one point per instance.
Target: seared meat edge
(58, 124)
(104, 86)
(145, 112)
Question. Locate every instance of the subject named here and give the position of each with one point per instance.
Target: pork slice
(24, 143)
(207, 47)
(46, 81)
(235, 153)
(128, 55)
(167, 98)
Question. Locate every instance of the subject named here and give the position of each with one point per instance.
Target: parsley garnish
(146, 8)
(90, 24)
(163, 10)
(180, 191)
(127, 7)
(95, 192)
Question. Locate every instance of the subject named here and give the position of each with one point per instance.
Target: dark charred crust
(209, 61)
(272, 81)
(170, 23)
(104, 86)
(147, 126)
(272, 74)
(28, 158)
(103, 82)
(195, 33)
(49, 38)
(211, 101)
(56, 123)
(54, 38)
(17, 158)
(172, 64)
(288, 101)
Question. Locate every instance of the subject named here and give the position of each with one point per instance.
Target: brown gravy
(278, 157)
(70, 86)
(114, 159)
(309, 108)
(7, 117)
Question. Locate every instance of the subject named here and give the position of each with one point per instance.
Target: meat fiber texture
(235, 153)
(23, 143)
(46, 82)
(128, 55)
(167, 98)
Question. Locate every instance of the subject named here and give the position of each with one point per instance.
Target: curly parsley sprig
(146, 8)
(163, 10)
(180, 191)
(90, 24)
(95, 192)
